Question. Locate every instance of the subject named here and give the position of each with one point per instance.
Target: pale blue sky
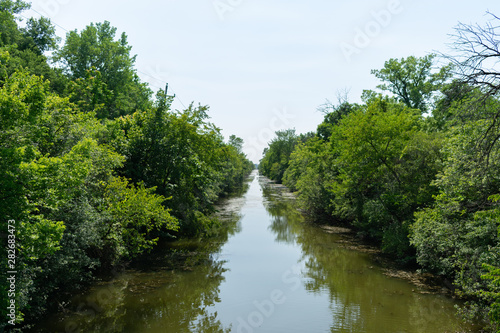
(262, 65)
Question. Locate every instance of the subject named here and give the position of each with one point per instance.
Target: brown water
(269, 272)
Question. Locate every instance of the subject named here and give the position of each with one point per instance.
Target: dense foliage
(418, 171)
(93, 171)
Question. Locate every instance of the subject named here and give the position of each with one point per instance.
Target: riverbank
(269, 272)
(425, 283)
(431, 282)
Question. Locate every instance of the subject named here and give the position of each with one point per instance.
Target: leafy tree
(492, 296)
(9, 34)
(134, 213)
(381, 155)
(33, 185)
(184, 157)
(458, 235)
(476, 53)
(41, 33)
(13, 7)
(425, 187)
(95, 48)
(333, 114)
(91, 93)
(60, 159)
(310, 171)
(236, 142)
(277, 156)
(25, 46)
(411, 80)
(236, 166)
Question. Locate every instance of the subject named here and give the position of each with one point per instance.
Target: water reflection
(174, 301)
(267, 271)
(361, 297)
(170, 290)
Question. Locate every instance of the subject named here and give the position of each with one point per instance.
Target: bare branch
(477, 55)
(476, 63)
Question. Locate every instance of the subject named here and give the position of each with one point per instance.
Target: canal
(269, 271)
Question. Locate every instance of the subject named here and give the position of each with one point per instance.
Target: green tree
(95, 48)
(386, 164)
(41, 33)
(135, 212)
(57, 182)
(33, 185)
(412, 81)
(25, 46)
(310, 172)
(236, 142)
(277, 156)
(60, 159)
(492, 295)
(236, 166)
(184, 156)
(458, 234)
(333, 114)
(9, 33)
(91, 93)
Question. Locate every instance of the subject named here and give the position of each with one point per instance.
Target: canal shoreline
(425, 282)
(432, 284)
(328, 279)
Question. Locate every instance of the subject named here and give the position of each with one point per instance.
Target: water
(270, 272)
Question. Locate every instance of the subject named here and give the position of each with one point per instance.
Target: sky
(264, 66)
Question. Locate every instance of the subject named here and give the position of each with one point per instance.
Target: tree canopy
(416, 171)
(93, 171)
(411, 80)
(95, 49)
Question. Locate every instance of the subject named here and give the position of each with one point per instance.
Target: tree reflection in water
(171, 290)
(161, 301)
(361, 297)
(180, 289)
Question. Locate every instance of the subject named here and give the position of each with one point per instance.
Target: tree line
(94, 169)
(415, 168)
